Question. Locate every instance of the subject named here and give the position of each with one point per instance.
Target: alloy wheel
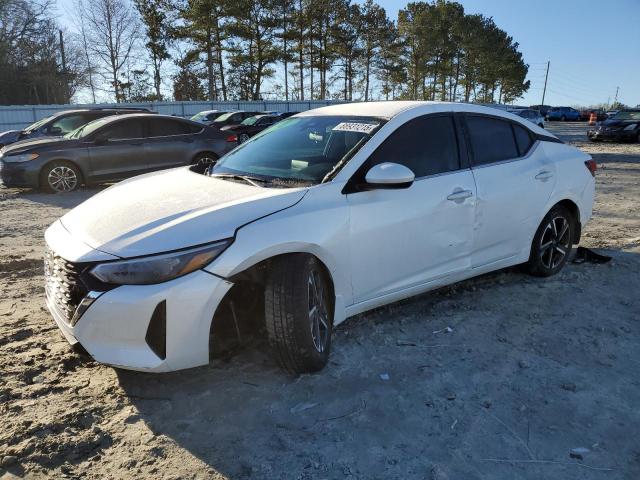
(555, 242)
(243, 138)
(62, 179)
(318, 313)
(206, 160)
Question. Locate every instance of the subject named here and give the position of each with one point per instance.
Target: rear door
(514, 181)
(121, 153)
(406, 238)
(169, 143)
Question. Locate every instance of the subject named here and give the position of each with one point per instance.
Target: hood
(34, 143)
(9, 136)
(612, 122)
(169, 210)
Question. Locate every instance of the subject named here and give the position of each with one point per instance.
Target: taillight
(592, 166)
(232, 138)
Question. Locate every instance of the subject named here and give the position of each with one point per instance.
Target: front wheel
(552, 243)
(563, 118)
(299, 313)
(60, 177)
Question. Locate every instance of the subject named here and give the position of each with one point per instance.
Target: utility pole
(615, 100)
(64, 58)
(545, 82)
(65, 77)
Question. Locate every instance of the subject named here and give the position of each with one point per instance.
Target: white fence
(19, 116)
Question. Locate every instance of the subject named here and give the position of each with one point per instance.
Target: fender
(298, 229)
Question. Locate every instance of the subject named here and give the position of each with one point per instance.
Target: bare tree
(79, 21)
(112, 32)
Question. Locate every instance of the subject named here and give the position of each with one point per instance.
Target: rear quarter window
(523, 139)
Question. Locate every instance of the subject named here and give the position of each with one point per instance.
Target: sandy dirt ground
(531, 369)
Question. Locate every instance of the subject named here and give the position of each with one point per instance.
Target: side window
(164, 127)
(427, 145)
(124, 130)
(193, 128)
(492, 140)
(523, 139)
(69, 123)
(237, 117)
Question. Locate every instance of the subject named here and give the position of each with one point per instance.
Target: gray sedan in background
(110, 149)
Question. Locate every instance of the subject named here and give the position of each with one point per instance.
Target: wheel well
(245, 301)
(77, 167)
(575, 214)
(206, 152)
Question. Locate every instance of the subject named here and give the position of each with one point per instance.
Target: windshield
(250, 121)
(199, 116)
(627, 116)
(222, 118)
(87, 129)
(300, 150)
(38, 124)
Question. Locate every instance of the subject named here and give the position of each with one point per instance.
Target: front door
(410, 237)
(117, 150)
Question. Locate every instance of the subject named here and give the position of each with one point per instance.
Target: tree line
(145, 50)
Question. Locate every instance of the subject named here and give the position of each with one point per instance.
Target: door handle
(460, 195)
(544, 175)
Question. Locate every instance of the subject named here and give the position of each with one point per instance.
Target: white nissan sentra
(326, 214)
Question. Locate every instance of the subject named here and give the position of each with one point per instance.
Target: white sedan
(325, 215)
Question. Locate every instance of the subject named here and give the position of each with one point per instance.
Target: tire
(299, 313)
(563, 118)
(243, 137)
(60, 177)
(552, 243)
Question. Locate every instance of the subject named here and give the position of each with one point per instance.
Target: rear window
(492, 140)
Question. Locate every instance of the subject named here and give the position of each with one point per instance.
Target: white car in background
(326, 214)
(534, 116)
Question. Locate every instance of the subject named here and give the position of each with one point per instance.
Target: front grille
(64, 288)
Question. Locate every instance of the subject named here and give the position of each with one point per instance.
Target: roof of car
(390, 109)
(114, 118)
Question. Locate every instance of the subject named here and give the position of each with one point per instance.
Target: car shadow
(387, 382)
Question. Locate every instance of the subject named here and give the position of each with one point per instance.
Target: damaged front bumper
(154, 328)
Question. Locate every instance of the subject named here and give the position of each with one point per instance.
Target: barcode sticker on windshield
(355, 127)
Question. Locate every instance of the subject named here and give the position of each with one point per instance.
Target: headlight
(631, 127)
(23, 157)
(158, 268)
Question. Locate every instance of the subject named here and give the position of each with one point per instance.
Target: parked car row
(88, 146)
(624, 126)
(62, 123)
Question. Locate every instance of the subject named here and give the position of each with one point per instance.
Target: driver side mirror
(388, 176)
(55, 131)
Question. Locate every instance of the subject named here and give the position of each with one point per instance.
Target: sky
(593, 46)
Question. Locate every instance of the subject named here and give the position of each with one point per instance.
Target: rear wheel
(205, 159)
(60, 177)
(552, 243)
(299, 313)
(243, 137)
